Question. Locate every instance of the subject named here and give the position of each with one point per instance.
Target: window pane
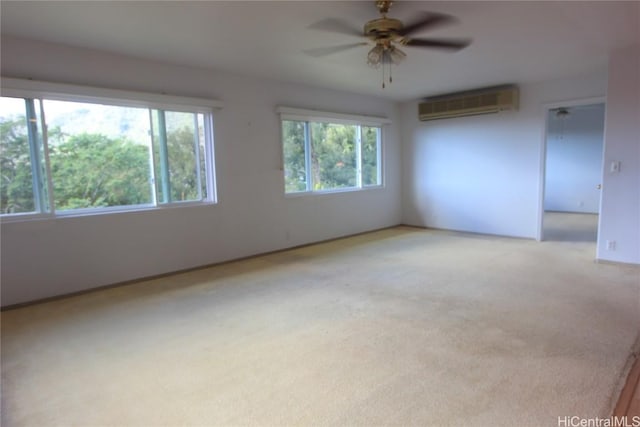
(202, 140)
(325, 156)
(99, 154)
(295, 175)
(370, 147)
(21, 157)
(179, 156)
(333, 156)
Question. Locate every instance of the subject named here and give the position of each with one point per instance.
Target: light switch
(615, 167)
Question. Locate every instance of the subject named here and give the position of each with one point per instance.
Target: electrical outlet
(611, 245)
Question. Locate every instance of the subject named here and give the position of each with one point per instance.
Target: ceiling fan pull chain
(383, 75)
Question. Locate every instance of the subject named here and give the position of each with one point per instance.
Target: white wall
(483, 173)
(45, 258)
(574, 160)
(620, 210)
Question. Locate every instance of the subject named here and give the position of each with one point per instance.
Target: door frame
(543, 152)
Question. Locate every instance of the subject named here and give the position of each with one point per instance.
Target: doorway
(574, 143)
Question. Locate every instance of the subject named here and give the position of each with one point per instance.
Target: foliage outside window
(325, 156)
(76, 157)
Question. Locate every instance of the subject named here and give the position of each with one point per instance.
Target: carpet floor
(397, 327)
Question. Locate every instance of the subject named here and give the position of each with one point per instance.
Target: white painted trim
(314, 193)
(110, 210)
(289, 113)
(62, 91)
(575, 102)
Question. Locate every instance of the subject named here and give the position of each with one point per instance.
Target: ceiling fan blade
(428, 20)
(324, 51)
(452, 44)
(337, 26)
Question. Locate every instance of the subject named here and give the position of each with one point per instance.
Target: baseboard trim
(185, 270)
(622, 263)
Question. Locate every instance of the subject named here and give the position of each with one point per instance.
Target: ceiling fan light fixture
(375, 57)
(395, 55)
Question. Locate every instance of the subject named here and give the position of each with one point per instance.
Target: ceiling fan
(387, 34)
(561, 112)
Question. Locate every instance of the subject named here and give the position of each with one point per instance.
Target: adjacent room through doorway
(573, 172)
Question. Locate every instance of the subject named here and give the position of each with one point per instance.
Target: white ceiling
(513, 42)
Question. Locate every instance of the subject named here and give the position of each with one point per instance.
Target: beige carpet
(397, 327)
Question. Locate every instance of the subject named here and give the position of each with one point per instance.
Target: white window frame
(307, 116)
(40, 90)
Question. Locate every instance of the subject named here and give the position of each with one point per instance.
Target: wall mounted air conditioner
(470, 103)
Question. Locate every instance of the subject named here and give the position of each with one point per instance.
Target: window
(70, 154)
(22, 170)
(330, 154)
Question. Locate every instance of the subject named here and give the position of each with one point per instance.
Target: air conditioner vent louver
(472, 102)
(439, 107)
(481, 101)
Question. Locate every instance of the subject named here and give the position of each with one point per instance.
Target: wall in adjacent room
(51, 257)
(483, 174)
(574, 160)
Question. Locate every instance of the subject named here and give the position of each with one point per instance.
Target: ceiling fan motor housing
(382, 29)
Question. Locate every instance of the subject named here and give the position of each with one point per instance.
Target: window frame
(41, 91)
(308, 116)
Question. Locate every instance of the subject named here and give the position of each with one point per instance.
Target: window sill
(80, 213)
(334, 192)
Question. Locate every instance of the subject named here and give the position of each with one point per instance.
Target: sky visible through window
(111, 121)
